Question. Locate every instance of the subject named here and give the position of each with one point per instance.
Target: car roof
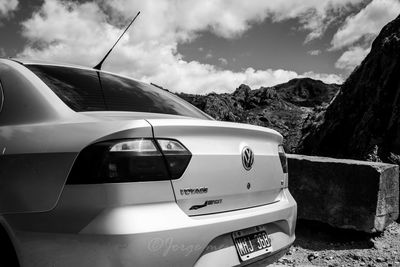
(25, 61)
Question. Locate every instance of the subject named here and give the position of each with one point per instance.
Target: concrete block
(344, 193)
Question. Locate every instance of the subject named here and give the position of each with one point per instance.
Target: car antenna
(98, 66)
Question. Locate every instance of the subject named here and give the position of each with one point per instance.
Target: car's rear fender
(35, 159)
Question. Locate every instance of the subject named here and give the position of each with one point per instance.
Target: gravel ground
(321, 245)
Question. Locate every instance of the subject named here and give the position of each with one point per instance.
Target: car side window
(1, 97)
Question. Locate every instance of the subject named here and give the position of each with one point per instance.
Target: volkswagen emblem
(247, 158)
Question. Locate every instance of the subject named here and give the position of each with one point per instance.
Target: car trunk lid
(216, 179)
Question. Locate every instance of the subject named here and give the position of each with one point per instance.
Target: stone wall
(345, 193)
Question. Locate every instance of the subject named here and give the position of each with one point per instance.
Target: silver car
(97, 169)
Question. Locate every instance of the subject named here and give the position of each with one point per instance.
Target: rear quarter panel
(40, 137)
(36, 159)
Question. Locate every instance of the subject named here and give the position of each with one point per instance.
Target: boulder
(350, 194)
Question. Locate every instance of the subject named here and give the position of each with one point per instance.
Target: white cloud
(314, 52)
(327, 12)
(2, 52)
(208, 79)
(7, 6)
(366, 24)
(230, 18)
(223, 61)
(209, 55)
(351, 58)
(359, 30)
(326, 78)
(82, 33)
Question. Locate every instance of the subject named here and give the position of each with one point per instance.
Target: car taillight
(284, 163)
(176, 156)
(133, 160)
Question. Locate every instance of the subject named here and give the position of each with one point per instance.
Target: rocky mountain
(285, 107)
(363, 122)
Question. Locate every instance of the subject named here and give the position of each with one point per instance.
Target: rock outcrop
(363, 121)
(285, 107)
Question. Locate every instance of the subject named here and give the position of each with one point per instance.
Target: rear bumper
(158, 235)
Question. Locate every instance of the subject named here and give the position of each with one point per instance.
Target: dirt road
(320, 245)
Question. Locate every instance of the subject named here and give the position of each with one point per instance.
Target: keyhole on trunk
(248, 185)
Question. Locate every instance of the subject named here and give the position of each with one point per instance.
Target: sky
(199, 46)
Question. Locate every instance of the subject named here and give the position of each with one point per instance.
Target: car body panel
(53, 223)
(85, 202)
(37, 127)
(37, 158)
(216, 164)
(149, 234)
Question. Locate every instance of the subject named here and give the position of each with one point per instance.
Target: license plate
(252, 242)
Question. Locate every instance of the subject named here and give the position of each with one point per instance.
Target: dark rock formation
(351, 194)
(363, 122)
(307, 92)
(285, 107)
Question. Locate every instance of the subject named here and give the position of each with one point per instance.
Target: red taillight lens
(134, 160)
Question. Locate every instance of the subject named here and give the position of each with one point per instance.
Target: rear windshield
(90, 90)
